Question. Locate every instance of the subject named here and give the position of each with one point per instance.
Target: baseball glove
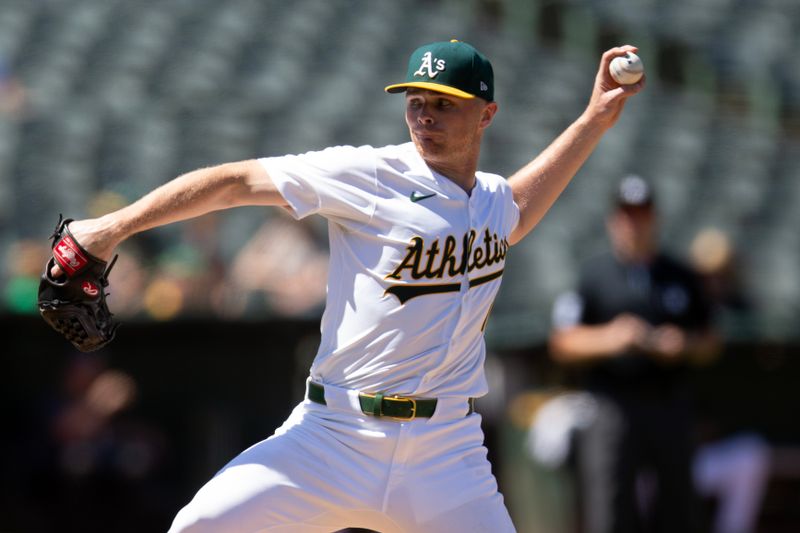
(74, 304)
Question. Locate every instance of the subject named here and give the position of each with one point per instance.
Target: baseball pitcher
(387, 437)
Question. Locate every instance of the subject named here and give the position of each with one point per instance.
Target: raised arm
(537, 185)
(187, 196)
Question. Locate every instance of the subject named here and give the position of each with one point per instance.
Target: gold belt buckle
(412, 401)
(400, 399)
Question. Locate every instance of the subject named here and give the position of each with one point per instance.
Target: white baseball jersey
(415, 265)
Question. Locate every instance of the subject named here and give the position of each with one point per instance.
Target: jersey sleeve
(513, 213)
(338, 183)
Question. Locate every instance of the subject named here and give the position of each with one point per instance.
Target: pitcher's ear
(488, 112)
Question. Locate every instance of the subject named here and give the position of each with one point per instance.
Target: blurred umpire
(628, 334)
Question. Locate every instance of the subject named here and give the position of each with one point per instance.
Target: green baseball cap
(453, 67)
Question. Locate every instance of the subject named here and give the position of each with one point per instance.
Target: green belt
(392, 406)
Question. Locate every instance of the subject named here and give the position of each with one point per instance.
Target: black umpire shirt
(661, 292)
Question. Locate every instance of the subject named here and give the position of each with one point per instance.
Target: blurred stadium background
(103, 100)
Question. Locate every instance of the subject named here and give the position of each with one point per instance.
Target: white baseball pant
(332, 467)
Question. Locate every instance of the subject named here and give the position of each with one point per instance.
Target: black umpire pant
(634, 465)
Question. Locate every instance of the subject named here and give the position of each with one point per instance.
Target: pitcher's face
(444, 127)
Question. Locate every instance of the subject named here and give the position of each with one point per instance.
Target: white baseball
(627, 69)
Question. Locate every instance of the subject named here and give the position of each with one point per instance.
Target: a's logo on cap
(426, 68)
(484, 87)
